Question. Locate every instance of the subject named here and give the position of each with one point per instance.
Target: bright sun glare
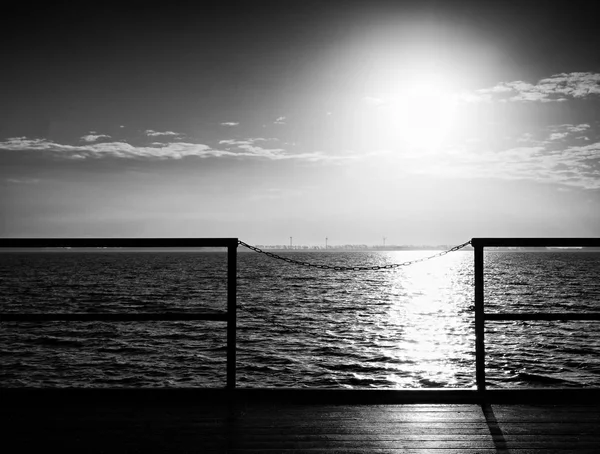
(419, 115)
(424, 115)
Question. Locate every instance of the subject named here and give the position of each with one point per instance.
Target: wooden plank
(463, 450)
(248, 427)
(406, 444)
(291, 397)
(390, 418)
(418, 451)
(515, 439)
(571, 396)
(321, 396)
(575, 409)
(366, 451)
(373, 429)
(262, 437)
(360, 444)
(365, 410)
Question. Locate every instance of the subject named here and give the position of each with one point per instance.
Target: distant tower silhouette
(290, 242)
(326, 242)
(383, 241)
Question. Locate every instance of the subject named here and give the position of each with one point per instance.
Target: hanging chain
(271, 320)
(352, 268)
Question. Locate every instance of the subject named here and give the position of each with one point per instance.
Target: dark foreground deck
(122, 424)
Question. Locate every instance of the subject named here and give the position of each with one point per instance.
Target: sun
(418, 115)
(424, 115)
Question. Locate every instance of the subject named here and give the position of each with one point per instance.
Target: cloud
(174, 150)
(23, 143)
(557, 88)
(248, 148)
(152, 133)
(573, 166)
(554, 154)
(576, 85)
(558, 135)
(280, 121)
(559, 132)
(22, 180)
(161, 151)
(526, 137)
(578, 128)
(249, 141)
(92, 137)
(235, 142)
(230, 123)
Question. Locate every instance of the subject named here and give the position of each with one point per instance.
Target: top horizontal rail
(535, 242)
(116, 242)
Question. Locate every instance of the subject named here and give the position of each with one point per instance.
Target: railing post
(231, 313)
(479, 320)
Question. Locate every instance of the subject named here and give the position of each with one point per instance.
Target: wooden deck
(254, 426)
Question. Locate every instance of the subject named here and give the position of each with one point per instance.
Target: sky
(423, 122)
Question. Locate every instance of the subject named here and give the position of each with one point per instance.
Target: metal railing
(230, 316)
(480, 315)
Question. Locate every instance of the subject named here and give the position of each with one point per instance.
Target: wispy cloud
(160, 151)
(230, 123)
(93, 137)
(558, 135)
(557, 88)
(578, 128)
(248, 147)
(22, 180)
(555, 136)
(175, 150)
(248, 141)
(280, 121)
(574, 166)
(152, 133)
(566, 131)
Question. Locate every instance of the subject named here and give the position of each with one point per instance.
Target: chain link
(351, 268)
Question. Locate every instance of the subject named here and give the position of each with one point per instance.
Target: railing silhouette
(481, 317)
(230, 316)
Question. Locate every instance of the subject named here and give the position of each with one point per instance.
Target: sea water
(408, 327)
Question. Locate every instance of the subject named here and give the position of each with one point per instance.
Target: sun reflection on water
(430, 307)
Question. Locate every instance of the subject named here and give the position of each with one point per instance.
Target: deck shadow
(494, 428)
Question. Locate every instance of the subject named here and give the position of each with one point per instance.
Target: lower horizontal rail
(543, 316)
(103, 317)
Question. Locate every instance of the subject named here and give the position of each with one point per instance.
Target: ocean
(408, 327)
